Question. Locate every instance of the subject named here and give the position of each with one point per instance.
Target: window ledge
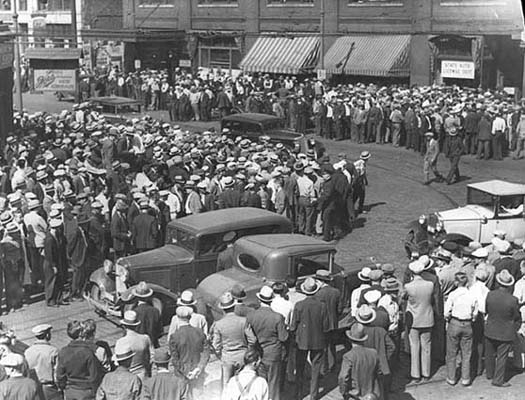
(234, 5)
(376, 4)
(472, 3)
(156, 5)
(288, 5)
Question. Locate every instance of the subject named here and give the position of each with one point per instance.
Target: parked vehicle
(491, 205)
(189, 255)
(264, 259)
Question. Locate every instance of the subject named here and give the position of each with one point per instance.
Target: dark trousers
(459, 340)
(478, 346)
(36, 261)
(79, 394)
(453, 173)
(359, 197)
(51, 392)
(51, 290)
(305, 213)
(78, 280)
(316, 357)
(483, 148)
(496, 353)
(329, 356)
(497, 146)
(272, 371)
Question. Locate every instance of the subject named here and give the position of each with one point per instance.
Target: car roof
(252, 117)
(499, 188)
(227, 220)
(294, 243)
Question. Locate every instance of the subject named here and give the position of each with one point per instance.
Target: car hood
(169, 254)
(469, 212)
(212, 287)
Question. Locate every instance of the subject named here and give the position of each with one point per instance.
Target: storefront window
(373, 1)
(55, 5)
(220, 52)
(154, 2)
(217, 2)
(291, 2)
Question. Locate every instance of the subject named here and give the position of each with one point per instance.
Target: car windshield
(272, 124)
(181, 238)
(511, 206)
(308, 264)
(480, 198)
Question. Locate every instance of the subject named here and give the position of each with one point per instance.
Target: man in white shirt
(280, 304)
(498, 131)
(36, 227)
(305, 209)
(246, 384)
(197, 320)
(461, 310)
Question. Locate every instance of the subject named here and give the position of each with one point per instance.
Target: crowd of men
(488, 122)
(462, 306)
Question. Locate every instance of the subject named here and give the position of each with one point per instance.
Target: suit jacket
(359, 372)
(310, 322)
(119, 232)
(145, 231)
(150, 322)
(332, 298)
(419, 293)
(229, 198)
(55, 253)
(503, 315)
(270, 331)
(188, 349)
(379, 340)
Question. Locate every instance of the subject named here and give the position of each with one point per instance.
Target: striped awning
(371, 55)
(282, 55)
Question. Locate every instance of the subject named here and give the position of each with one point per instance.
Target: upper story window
(55, 5)
(5, 5)
(22, 5)
(374, 1)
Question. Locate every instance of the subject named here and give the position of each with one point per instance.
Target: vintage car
(253, 126)
(189, 255)
(490, 205)
(264, 259)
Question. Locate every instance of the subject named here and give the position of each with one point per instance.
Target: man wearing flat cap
(41, 357)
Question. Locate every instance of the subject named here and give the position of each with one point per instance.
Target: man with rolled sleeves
(270, 332)
(310, 322)
(41, 357)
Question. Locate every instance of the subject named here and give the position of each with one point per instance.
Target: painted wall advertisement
(458, 69)
(55, 80)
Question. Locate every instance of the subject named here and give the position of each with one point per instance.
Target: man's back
(228, 337)
(332, 298)
(186, 347)
(42, 358)
(310, 323)
(502, 315)
(120, 385)
(165, 385)
(150, 322)
(270, 331)
(78, 367)
(420, 302)
(141, 345)
(18, 388)
(359, 372)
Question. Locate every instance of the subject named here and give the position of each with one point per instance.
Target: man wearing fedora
(419, 319)
(360, 369)
(330, 296)
(55, 263)
(149, 316)
(228, 338)
(271, 335)
(121, 384)
(502, 322)
(144, 229)
(453, 149)
(164, 384)
(230, 196)
(186, 299)
(139, 343)
(36, 227)
(41, 357)
(120, 232)
(310, 324)
(189, 351)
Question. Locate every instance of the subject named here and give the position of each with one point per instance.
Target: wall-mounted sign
(55, 80)
(458, 69)
(6, 55)
(185, 63)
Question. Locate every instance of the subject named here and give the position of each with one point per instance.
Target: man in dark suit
(271, 335)
(503, 319)
(120, 232)
(310, 322)
(145, 229)
(55, 263)
(330, 296)
(230, 197)
(149, 316)
(506, 261)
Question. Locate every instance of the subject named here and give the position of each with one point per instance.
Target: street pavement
(395, 196)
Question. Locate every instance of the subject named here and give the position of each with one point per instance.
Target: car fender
(100, 278)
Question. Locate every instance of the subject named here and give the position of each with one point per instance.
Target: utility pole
(322, 29)
(18, 68)
(73, 22)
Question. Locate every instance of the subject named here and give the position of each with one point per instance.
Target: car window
(181, 238)
(511, 206)
(259, 230)
(480, 198)
(251, 127)
(248, 262)
(272, 124)
(308, 264)
(210, 244)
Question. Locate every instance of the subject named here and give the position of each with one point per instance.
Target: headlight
(439, 225)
